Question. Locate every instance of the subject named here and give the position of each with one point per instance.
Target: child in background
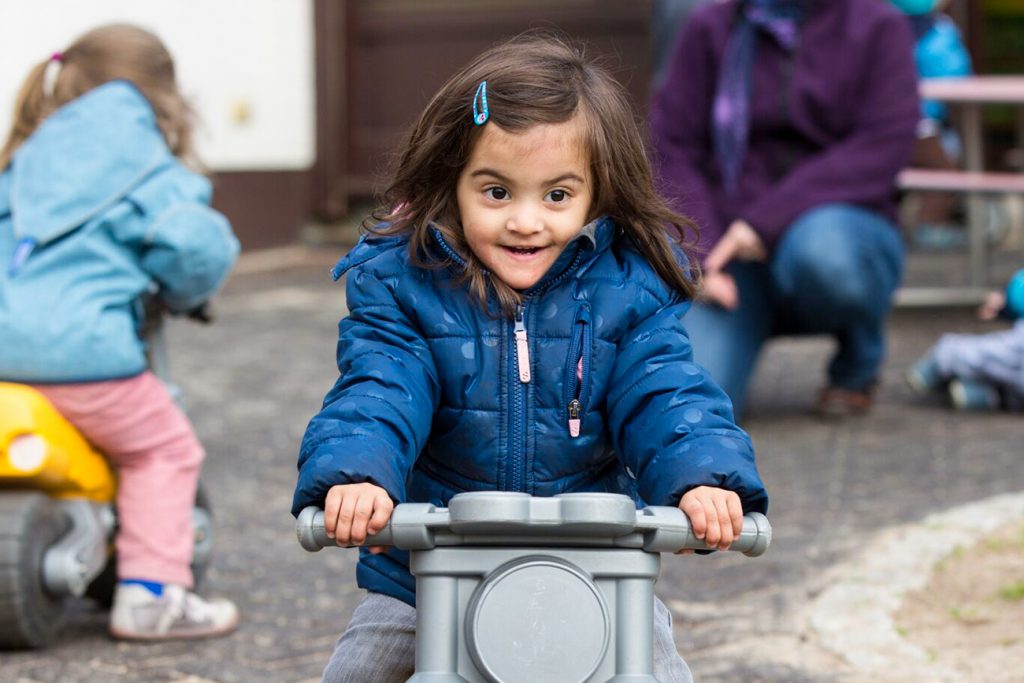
(96, 212)
(515, 323)
(980, 371)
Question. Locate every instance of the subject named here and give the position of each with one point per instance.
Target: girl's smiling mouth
(522, 251)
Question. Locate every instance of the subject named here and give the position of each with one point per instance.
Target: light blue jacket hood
(76, 165)
(95, 212)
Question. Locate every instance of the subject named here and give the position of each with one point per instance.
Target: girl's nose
(525, 222)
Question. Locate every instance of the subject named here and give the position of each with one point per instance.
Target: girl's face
(523, 197)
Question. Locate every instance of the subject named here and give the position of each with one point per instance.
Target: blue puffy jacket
(96, 212)
(430, 400)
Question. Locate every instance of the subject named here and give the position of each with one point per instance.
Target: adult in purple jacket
(779, 128)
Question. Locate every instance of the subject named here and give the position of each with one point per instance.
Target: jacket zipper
(521, 350)
(519, 347)
(576, 388)
(522, 346)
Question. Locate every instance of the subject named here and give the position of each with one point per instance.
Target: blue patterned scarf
(731, 113)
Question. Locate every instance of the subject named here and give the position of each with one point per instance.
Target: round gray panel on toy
(537, 619)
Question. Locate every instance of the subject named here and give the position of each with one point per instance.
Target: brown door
(379, 61)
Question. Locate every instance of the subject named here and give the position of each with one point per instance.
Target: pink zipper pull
(522, 348)
(574, 418)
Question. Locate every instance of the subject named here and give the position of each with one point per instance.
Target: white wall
(246, 65)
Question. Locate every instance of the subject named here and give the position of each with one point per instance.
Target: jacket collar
(77, 163)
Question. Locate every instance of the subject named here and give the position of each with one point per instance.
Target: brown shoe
(842, 402)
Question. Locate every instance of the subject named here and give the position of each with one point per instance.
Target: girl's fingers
(382, 509)
(724, 522)
(343, 532)
(331, 506)
(736, 514)
(695, 511)
(361, 512)
(713, 535)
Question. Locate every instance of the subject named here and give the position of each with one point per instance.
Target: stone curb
(854, 617)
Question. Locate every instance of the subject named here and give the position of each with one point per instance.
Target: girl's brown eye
(558, 195)
(496, 192)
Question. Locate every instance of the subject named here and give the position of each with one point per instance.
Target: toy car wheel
(102, 587)
(29, 524)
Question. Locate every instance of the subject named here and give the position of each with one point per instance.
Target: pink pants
(138, 426)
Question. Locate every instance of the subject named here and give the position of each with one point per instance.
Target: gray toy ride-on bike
(516, 589)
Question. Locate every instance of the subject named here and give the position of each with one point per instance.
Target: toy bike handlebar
(518, 519)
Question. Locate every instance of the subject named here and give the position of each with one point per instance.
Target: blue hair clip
(480, 113)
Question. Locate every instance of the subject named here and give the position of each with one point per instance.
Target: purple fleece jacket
(833, 122)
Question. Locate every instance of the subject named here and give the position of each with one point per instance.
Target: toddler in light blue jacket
(98, 211)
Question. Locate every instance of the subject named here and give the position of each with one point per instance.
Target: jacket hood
(83, 158)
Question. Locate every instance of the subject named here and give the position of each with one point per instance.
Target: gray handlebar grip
(309, 527)
(668, 529)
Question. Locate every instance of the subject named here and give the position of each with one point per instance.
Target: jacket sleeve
(377, 417)
(679, 129)
(189, 251)
(1014, 308)
(862, 168)
(671, 424)
(187, 247)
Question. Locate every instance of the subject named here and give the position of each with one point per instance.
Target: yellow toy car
(57, 519)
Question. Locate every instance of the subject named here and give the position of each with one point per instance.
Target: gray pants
(997, 357)
(379, 645)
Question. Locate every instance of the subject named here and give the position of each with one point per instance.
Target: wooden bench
(968, 94)
(925, 180)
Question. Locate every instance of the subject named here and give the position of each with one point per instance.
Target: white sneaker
(138, 614)
(972, 394)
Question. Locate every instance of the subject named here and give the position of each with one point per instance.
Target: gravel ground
(254, 378)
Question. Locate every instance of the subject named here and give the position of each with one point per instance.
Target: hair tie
(480, 113)
(50, 72)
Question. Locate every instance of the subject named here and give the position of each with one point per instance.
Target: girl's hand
(715, 514)
(353, 511)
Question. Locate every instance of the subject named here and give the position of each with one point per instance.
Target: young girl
(515, 324)
(96, 211)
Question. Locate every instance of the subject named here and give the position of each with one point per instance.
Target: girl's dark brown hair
(106, 53)
(535, 78)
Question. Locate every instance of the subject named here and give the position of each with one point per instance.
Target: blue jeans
(379, 645)
(834, 272)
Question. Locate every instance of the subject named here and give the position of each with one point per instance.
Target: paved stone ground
(255, 377)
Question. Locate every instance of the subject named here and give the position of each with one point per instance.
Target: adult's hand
(740, 243)
(720, 288)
